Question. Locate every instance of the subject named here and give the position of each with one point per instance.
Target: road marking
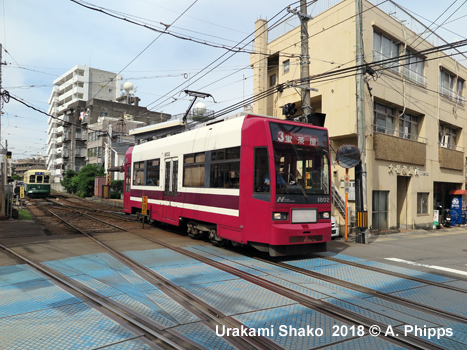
(447, 269)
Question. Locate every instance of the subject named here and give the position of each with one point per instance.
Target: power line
(205, 68)
(431, 32)
(152, 42)
(163, 31)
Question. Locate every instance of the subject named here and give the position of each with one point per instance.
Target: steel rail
(395, 274)
(321, 306)
(166, 339)
(318, 305)
(212, 316)
(412, 304)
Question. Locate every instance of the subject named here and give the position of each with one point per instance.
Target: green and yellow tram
(37, 182)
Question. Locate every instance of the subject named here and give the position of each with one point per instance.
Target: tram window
(32, 179)
(39, 179)
(153, 174)
(138, 173)
(193, 170)
(46, 179)
(225, 168)
(261, 169)
(128, 178)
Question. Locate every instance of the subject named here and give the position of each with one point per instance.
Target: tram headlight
(325, 215)
(280, 216)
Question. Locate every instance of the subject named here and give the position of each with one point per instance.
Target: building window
(286, 66)
(384, 119)
(451, 86)
(225, 168)
(388, 118)
(272, 80)
(193, 170)
(447, 136)
(414, 68)
(422, 203)
(408, 127)
(385, 48)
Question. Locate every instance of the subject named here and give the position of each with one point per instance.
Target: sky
(44, 39)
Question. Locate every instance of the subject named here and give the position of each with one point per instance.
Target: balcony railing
(398, 133)
(451, 146)
(414, 76)
(452, 95)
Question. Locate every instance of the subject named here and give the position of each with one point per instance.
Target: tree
(16, 177)
(67, 181)
(116, 189)
(84, 181)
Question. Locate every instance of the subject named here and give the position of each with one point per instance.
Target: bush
(67, 181)
(116, 189)
(84, 181)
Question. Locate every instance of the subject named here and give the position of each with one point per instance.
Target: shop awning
(458, 192)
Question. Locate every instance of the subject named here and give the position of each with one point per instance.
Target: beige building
(413, 107)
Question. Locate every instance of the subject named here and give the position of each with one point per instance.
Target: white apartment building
(66, 140)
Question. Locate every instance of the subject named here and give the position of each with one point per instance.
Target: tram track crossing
(210, 316)
(318, 305)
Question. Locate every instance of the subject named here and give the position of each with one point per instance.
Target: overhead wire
(152, 42)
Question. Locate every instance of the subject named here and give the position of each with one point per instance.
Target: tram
(215, 180)
(37, 182)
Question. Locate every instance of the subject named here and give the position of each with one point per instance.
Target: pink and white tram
(215, 181)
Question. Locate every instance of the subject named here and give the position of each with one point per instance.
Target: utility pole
(360, 169)
(304, 59)
(2, 151)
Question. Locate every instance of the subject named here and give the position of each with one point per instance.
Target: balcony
(80, 152)
(452, 95)
(410, 149)
(415, 77)
(451, 157)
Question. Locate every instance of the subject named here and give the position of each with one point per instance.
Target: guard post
(144, 208)
(362, 225)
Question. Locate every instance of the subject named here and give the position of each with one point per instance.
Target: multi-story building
(108, 124)
(21, 165)
(66, 142)
(407, 113)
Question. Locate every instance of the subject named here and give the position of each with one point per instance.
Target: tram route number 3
(144, 206)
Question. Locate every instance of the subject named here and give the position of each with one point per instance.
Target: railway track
(214, 317)
(210, 316)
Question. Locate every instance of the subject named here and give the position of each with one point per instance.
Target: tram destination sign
(296, 138)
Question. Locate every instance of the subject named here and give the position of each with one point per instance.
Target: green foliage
(85, 179)
(82, 183)
(24, 214)
(15, 177)
(67, 181)
(116, 189)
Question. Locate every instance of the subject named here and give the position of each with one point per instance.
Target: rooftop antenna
(128, 87)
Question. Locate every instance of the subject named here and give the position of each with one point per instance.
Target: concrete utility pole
(304, 60)
(2, 151)
(360, 169)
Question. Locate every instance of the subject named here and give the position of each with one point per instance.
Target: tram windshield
(301, 157)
